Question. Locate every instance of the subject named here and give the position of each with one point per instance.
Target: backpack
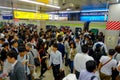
(98, 47)
(99, 51)
(36, 60)
(92, 78)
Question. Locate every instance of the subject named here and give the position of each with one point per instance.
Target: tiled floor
(49, 74)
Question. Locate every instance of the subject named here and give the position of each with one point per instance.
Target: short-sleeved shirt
(32, 56)
(21, 59)
(80, 61)
(85, 75)
(107, 68)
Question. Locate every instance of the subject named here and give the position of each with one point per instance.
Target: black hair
(60, 39)
(91, 65)
(12, 54)
(84, 48)
(111, 52)
(77, 37)
(5, 44)
(2, 39)
(66, 38)
(13, 41)
(21, 49)
(117, 49)
(100, 39)
(55, 45)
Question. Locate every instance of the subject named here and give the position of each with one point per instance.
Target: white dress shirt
(80, 61)
(56, 58)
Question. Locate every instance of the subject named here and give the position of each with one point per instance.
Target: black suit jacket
(14, 50)
(18, 73)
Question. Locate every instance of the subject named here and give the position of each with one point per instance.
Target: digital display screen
(94, 18)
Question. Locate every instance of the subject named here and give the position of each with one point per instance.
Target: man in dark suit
(17, 72)
(14, 46)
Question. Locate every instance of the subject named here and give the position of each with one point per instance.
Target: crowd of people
(23, 51)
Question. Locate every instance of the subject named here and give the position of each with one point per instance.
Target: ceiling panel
(76, 3)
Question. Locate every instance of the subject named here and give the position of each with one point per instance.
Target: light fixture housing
(10, 8)
(40, 3)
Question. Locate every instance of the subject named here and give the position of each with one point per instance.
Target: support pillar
(112, 26)
(41, 24)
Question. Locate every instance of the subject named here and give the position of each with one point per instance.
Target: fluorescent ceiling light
(2, 7)
(93, 10)
(78, 11)
(39, 3)
(68, 9)
(65, 12)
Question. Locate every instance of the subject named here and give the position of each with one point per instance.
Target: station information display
(100, 16)
(30, 15)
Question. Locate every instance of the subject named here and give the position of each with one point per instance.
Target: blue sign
(7, 17)
(94, 13)
(63, 14)
(94, 18)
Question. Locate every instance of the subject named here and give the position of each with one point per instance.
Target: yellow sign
(43, 1)
(24, 15)
(30, 15)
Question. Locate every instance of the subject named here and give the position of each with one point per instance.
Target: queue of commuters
(24, 53)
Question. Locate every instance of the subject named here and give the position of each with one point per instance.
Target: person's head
(28, 46)
(11, 56)
(66, 38)
(100, 39)
(60, 39)
(2, 40)
(117, 49)
(14, 43)
(22, 50)
(77, 39)
(84, 48)
(111, 52)
(31, 39)
(72, 45)
(6, 45)
(91, 66)
(55, 47)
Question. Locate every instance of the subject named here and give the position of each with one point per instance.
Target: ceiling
(76, 4)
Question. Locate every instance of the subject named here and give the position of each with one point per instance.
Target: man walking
(17, 72)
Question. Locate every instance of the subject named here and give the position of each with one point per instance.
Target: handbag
(61, 75)
(36, 60)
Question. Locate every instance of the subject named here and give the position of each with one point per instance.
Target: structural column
(41, 24)
(112, 26)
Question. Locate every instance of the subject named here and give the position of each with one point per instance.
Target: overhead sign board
(30, 15)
